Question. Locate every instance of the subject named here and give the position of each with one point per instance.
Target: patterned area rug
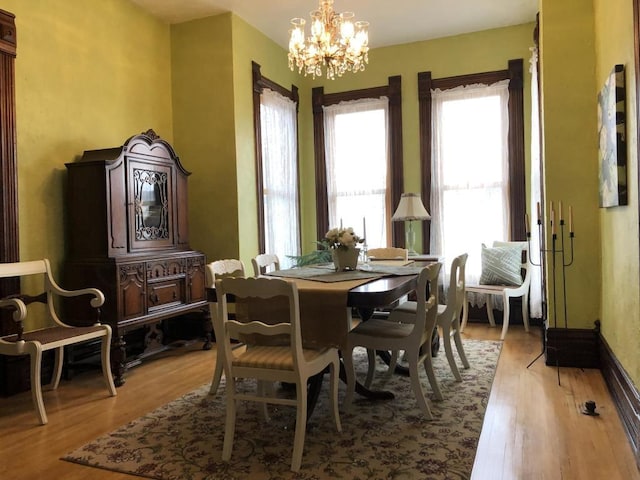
(387, 439)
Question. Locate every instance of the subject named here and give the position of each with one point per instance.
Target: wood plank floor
(533, 429)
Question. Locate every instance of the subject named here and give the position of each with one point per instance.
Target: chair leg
(371, 358)
(301, 425)
(417, 386)
(525, 311)
(264, 390)
(505, 317)
(217, 373)
(428, 367)
(492, 320)
(347, 358)
(465, 312)
(105, 356)
(446, 336)
(35, 354)
(230, 423)
(333, 371)
(395, 356)
(57, 369)
(458, 340)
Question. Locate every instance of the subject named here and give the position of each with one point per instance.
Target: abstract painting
(612, 153)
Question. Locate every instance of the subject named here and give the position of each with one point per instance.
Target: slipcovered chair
(214, 271)
(403, 330)
(505, 272)
(271, 363)
(57, 334)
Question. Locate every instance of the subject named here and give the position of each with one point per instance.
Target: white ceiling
(391, 22)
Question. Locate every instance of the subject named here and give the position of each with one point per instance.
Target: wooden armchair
(55, 336)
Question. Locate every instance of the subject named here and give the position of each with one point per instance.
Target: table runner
(324, 316)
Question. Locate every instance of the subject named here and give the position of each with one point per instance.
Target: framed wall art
(612, 152)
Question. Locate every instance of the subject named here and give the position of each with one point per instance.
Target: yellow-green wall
(85, 78)
(619, 226)
(203, 105)
(570, 151)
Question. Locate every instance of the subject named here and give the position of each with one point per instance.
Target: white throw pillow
(501, 265)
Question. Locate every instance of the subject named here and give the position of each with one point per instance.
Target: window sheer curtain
(470, 177)
(280, 175)
(357, 160)
(535, 292)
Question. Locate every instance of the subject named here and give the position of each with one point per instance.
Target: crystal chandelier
(336, 42)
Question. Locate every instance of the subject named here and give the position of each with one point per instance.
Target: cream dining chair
(408, 331)
(265, 262)
(215, 271)
(266, 363)
(506, 273)
(448, 319)
(388, 253)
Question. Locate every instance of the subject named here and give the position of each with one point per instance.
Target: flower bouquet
(343, 245)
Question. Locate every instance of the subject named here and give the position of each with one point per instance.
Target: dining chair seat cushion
(48, 336)
(383, 328)
(278, 358)
(501, 265)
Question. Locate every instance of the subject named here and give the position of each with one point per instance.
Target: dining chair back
(215, 271)
(521, 290)
(264, 263)
(57, 334)
(408, 331)
(388, 253)
(266, 363)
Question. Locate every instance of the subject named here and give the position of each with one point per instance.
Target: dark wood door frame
(8, 159)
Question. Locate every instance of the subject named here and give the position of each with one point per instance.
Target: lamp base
(410, 240)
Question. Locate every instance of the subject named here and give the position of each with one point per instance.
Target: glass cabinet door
(150, 206)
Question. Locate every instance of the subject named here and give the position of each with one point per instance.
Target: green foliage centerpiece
(340, 243)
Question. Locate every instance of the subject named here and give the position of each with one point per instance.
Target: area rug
(380, 439)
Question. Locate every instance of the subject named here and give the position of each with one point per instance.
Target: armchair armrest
(19, 314)
(96, 301)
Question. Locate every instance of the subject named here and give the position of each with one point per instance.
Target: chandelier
(336, 42)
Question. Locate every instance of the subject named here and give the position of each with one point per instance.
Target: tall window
(357, 161)
(470, 182)
(275, 111)
(358, 152)
(472, 156)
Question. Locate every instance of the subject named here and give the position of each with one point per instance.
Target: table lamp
(410, 208)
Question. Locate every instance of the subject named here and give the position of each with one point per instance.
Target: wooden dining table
(326, 307)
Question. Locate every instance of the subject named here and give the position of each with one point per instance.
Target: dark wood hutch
(128, 236)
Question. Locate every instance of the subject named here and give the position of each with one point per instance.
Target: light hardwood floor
(533, 428)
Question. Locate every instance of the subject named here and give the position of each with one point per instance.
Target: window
(454, 179)
(275, 111)
(470, 182)
(357, 167)
(358, 150)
